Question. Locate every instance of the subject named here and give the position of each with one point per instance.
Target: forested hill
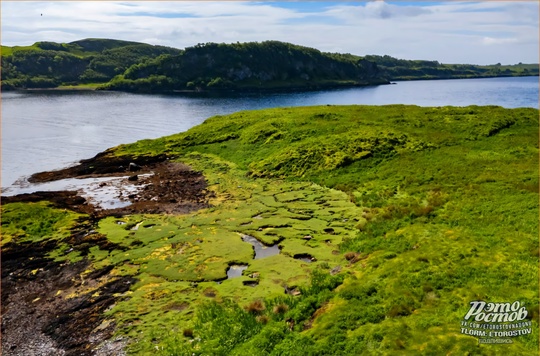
(401, 69)
(51, 64)
(253, 65)
(133, 66)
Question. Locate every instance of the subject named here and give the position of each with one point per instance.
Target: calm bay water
(46, 130)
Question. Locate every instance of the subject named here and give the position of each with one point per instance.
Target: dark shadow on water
(305, 257)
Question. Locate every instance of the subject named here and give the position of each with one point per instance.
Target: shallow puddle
(236, 271)
(261, 250)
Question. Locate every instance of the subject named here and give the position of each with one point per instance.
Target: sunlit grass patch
(34, 222)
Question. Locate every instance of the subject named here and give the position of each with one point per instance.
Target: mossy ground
(36, 223)
(422, 209)
(82, 86)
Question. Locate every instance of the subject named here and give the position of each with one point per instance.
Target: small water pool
(236, 271)
(261, 250)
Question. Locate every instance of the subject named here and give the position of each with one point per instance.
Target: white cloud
(498, 41)
(377, 10)
(451, 32)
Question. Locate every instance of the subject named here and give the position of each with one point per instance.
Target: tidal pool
(104, 193)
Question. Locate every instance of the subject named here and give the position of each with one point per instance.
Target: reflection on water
(261, 250)
(236, 271)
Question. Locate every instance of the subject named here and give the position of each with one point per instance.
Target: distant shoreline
(404, 79)
(255, 90)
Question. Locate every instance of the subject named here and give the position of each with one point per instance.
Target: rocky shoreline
(37, 316)
(162, 186)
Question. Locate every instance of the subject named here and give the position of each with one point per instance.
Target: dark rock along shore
(37, 319)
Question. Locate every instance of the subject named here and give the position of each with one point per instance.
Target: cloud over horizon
(450, 32)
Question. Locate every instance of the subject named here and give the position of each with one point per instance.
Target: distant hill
(401, 69)
(271, 65)
(100, 45)
(50, 64)
(254, 65)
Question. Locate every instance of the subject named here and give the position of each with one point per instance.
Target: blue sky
(448, 31)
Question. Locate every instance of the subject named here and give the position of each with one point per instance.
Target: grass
(73, 49)
(446, 210)
(6, 51)
(87, 86)
(35, 222)
(179, 260)
(409, 212)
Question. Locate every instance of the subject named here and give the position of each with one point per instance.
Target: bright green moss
(35, 222)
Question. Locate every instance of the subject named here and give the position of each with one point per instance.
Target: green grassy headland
(410, 213)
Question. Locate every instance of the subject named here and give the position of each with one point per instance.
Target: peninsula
(323, 230)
